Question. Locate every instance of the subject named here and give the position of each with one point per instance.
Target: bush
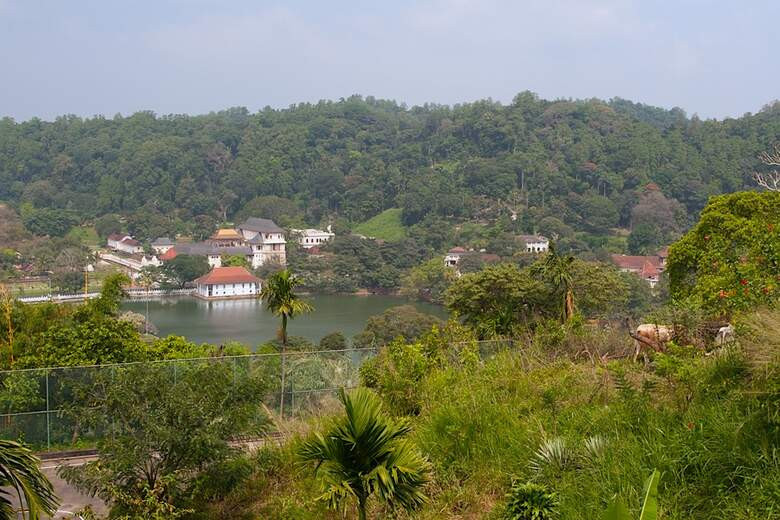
(530, 501)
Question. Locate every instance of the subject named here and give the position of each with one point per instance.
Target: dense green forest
(572, 169)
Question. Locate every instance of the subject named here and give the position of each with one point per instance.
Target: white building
(266, 240)
(309, 238)
(162, 245)
(453, 256)
(124, 243)
(535, 243)
(227, 282)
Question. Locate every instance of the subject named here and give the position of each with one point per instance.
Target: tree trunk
(284, 368)
(569, 305)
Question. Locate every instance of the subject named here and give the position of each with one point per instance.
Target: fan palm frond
(365, 453)
(20, 474)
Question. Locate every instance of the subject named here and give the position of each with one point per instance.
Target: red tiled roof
(131, 242)
(457, 250)
(635, 263)
(227, 275)
(169, 254)
(649, 270)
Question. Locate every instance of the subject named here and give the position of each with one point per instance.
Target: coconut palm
(365, 453)
(19, 474)
(557, 270)
(278, 292)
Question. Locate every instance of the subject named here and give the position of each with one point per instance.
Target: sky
(87, 57)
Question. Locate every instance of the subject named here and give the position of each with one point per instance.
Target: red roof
(227, 275)
(457, 250)
(131, 242)
(636, 263)
(169, 255)
(649, 270)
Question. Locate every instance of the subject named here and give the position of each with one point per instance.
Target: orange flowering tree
(730, 260)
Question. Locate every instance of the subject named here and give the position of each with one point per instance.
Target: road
(71, 499)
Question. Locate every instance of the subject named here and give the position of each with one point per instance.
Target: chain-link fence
(37, 405)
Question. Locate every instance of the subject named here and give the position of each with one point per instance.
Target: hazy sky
(86, 57)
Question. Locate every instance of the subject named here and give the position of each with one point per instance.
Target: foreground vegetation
(589, 432)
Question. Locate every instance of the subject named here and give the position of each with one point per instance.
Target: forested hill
(564, 167)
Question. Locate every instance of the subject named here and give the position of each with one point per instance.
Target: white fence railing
(131, 293)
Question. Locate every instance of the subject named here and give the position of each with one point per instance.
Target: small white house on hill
(227, 282)
(535, 243)
(309, 238)
(124, 243)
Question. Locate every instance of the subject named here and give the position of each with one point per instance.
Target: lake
(249, 322)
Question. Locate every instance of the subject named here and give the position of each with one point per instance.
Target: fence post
(292, 396)
(48, 414)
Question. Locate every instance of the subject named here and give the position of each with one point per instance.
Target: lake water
(249, 322)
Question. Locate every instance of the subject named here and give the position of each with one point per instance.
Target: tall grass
(591, 430)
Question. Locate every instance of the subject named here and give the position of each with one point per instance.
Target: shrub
(530, 501)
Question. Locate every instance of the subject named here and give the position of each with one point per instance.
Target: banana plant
(617, 510)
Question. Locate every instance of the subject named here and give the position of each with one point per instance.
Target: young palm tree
(19, 474)
(278, 292)
(365, 453)
(557, 270)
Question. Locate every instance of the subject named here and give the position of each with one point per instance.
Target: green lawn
(86, 235)
(385, 226)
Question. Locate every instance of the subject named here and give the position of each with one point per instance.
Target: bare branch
(769, 180)
(771, 158)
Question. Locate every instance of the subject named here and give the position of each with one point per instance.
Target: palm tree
(365, 453)
(557, 270)
(19, 473)
(279, 295)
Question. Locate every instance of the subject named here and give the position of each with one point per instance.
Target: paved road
(70, 499)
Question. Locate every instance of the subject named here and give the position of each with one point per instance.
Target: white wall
(229, 290)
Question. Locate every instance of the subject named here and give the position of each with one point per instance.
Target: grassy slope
(700, 421)
(386, 226)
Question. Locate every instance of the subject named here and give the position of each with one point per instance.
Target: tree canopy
(730, 260)
(586, 162)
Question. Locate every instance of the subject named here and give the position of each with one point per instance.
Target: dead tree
(769, 180)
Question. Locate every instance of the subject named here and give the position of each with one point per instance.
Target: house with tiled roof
(266, 240)
(227, 283)
(125, 243)
(456, 254)
(162, 245)
(649, 267)
(226, 237)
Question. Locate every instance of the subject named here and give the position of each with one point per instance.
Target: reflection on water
(249, 322)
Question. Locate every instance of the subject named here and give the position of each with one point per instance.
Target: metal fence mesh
(35, 403)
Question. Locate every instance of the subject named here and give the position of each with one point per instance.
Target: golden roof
(227, 234)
